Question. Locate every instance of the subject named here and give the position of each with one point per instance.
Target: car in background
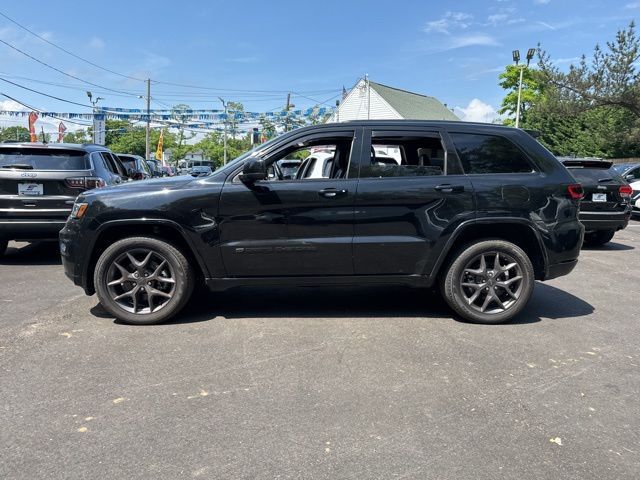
(605, 208)
(629, 171)
(316, 165)
(136, 167)
(39, 183)
(635, 199)
(156, 168)
(168, 171)
(201, 171)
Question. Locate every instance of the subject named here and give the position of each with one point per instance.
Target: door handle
(447, 188)
(331, 192)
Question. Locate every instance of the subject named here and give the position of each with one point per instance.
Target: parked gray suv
(40, 182)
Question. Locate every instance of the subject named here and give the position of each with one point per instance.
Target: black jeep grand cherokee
(480, 209)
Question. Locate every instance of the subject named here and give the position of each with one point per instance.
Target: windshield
(44, 159)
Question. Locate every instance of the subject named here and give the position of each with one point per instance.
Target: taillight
(575, 191)
(85, 183)
(625, 191)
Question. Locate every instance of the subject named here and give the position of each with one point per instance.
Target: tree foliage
(591, 109)
(14, 134)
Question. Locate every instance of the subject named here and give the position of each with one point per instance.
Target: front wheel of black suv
(143, 280)
(599, 237)
(488, 282)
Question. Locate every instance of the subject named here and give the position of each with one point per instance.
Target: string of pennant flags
(134, 114)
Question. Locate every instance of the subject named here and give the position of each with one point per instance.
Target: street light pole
(224, 105)
(93, 110)
(516, 58)
(522, 67)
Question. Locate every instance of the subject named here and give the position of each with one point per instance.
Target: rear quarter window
(45, 159)
(487, 154)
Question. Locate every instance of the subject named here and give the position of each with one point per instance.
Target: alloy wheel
(491, 282)
(141, 281)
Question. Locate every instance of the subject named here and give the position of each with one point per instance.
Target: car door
(411, 195)
(292, 227)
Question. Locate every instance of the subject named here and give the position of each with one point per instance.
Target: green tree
(233, 109)
(179, 113)
(77, 136)
(532, 86)
(133, 141)
(14, 134)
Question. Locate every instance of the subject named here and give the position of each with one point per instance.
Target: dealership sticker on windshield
(30, 189)
(599, 197)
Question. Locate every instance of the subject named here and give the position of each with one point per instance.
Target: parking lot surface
(322, 383)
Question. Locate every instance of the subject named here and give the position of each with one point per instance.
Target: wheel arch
(518, 231)
(162, 229)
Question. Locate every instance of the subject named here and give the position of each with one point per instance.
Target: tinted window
(489, 154)
(594, 175)
(44, 159)
(407, 155)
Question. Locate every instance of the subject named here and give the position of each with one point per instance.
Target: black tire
(172, 277)
(3, 247)
(461, 298)
(599, 237)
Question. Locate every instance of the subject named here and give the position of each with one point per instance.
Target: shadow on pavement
(608, 247)
(356, 302)
(37, 253)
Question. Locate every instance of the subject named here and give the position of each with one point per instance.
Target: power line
(68, 52)
(44, 94)
(40, 111)
(62, 71)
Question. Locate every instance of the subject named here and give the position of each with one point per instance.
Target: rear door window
(488, 154)
(111, 163)
(44, 159)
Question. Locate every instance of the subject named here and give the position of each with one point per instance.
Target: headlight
(78, 210)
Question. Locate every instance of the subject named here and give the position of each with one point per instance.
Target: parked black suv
(482, 210)
(39, 184)
(605, 208)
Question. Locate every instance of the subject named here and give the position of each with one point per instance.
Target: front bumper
(559, 269)
(593, 221)
(73, 253)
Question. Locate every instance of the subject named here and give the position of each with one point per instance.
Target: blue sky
(254, 52)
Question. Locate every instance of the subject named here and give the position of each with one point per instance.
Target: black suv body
(482, 210)
(605, 208)
(40, 182)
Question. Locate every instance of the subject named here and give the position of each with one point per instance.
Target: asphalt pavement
(359, 383)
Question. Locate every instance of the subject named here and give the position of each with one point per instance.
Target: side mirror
(254, 170)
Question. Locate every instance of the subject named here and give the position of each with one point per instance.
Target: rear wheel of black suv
(599, 237)
(488, 282)
(143, 280)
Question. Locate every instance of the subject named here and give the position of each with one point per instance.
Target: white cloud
(97, 43)
(449, 21)
(541, 2)
(11, 105)
(632, 5)
(477, 111)
(481, 39)
(501, 19)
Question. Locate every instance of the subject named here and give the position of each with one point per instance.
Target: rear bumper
(559, 269)
(31, 229)
(593, 221)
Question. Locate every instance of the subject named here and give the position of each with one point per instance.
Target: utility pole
(224, 136)
(96, 126)
(286, 109)
(146, 140)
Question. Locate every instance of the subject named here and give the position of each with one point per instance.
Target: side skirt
(221, 284)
